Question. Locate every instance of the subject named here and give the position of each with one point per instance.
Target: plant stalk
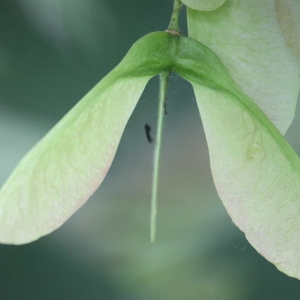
(163, 85)
(173, 29)
(174, 26)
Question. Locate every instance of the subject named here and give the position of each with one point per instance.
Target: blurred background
(52, 52)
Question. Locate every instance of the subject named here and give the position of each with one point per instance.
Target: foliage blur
(51, 53)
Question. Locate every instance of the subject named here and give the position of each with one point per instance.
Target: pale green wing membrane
(256, 172)
(63, 170)
(203, 5)
(254, 40)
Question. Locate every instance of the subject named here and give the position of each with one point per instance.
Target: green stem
(173, 26)
(163, 84)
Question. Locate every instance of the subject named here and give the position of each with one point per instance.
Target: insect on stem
(165, 107)
(148, 132)
(163, 84)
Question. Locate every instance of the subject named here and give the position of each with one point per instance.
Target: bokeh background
(51, 53)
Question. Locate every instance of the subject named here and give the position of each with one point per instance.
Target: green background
(51, 54)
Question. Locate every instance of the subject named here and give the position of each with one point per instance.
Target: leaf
(65, 168)
(256, 172)
(248, 39)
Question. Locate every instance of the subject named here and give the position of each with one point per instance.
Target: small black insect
(165, 107)
(148, 132)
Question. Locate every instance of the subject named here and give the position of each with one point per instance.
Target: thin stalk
(173, 26)
(163, 84)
